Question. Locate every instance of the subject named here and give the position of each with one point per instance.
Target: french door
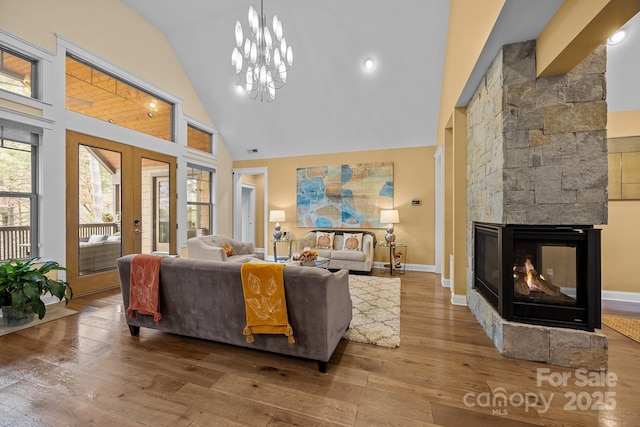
(120, 200)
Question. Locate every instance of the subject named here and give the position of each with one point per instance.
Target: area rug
(54, 312)
(624, 325)
(376, 310)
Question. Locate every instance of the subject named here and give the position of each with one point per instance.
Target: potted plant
(22, 286)
(107, 217)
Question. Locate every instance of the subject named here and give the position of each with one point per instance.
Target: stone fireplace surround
(537, 155)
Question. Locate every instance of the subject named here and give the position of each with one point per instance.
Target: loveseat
(212, 248)
(98, 253)
(204, 299)
(341, 253)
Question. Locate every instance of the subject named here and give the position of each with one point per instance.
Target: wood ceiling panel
(106, 98)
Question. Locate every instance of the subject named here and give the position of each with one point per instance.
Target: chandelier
(263, 58)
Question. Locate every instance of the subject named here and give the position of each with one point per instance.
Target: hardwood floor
(86, 369)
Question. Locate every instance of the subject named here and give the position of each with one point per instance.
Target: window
(199, 139)
(18, 190)
(199, 201)
(17, 73)
(100, 95)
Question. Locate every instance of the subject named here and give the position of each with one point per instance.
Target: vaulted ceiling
(329, 103)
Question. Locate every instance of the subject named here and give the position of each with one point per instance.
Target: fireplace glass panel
(545, 273)
(488, 267)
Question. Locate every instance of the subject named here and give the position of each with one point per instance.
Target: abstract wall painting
(345, 196)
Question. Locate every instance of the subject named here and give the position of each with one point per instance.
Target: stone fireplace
(541, 275)
(537, 161)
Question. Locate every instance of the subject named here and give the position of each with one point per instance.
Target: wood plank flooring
(86, 370)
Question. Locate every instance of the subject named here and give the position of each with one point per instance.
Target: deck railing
(101, 228)
(15, 242)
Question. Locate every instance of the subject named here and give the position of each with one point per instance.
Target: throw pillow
(352, 242)
(324, 240)
(96, 238)
(227, 249)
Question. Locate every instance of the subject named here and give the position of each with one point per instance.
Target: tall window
(18, 190)
(199, 201)
(17, 73)
(199, 139)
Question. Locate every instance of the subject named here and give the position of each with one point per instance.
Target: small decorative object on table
(307, 257)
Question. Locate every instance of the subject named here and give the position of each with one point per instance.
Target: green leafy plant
(107, 217)
(23, 282)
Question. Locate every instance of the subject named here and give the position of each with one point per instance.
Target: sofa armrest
(197, 249)
(309, 240)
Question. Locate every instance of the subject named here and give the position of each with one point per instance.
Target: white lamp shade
(277, 216)
(389, 216)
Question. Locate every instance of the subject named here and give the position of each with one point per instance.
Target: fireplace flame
(529, 268)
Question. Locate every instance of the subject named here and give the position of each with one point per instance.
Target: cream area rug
(54, 312)
(376, 310)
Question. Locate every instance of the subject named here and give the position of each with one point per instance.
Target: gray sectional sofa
(204, 299)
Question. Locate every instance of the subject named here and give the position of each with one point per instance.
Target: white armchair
(211, 248)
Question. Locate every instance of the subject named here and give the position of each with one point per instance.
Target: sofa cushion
(324, 240)
(352, 242)
(326, 253)
(240, 258)
(348, 255)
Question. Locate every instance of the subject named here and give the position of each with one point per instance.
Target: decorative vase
(13, 317)
(308, 263)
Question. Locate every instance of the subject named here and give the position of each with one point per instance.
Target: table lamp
(389, 216)
(277, 216)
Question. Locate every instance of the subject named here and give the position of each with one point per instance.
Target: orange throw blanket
(264, 300)
(144, 287)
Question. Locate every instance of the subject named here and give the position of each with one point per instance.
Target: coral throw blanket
(144, 287)
(264, 300)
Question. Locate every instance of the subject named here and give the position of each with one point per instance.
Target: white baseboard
(410, 267)
(621, 296)
(446, 283)
(459, 299)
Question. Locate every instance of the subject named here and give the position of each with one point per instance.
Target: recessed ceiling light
(240, 89)
(369, 64)
(618, 36)
(153, 104)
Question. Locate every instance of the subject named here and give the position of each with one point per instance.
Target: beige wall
(414, 178)
(620, 237)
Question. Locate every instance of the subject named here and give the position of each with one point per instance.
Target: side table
(276, 258)
(397, 258)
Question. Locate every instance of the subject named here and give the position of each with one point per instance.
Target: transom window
(199, 139)
(100, 95)
(17, 73)
(18, 190)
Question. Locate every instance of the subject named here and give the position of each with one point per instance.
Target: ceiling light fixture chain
(261, 62)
